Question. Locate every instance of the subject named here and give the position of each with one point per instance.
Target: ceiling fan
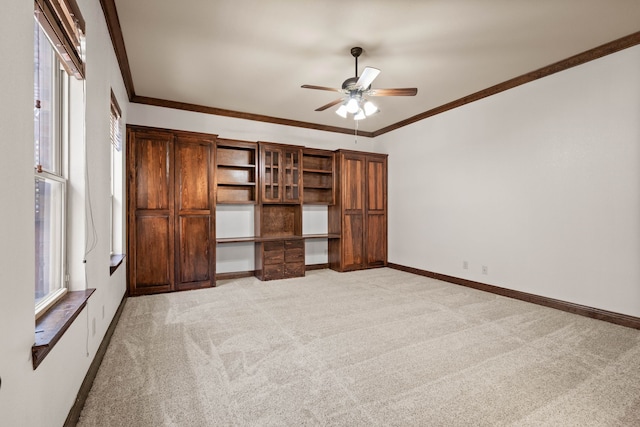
(355, 89)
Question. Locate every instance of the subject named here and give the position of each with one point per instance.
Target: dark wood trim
(241, 274)
(582, 310)
(113, 24)
(311, 267)
(83, 393)
(223, 240)
(235, 275)
(55, 322)
(573, 61)
(114, 262)
(177, 132)
(240, 115)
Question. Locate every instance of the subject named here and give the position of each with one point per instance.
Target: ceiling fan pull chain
(356, 131)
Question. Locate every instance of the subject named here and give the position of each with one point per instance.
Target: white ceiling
(252, 56)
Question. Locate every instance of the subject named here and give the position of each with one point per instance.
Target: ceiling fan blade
(329, 105)
(367, 77)
(407, 91)
(321, 88)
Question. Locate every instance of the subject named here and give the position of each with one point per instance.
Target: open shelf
(236, 171)
(317, 177)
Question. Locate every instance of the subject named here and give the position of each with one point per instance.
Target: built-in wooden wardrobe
(176, 178)
(360, 212)
(171, 210)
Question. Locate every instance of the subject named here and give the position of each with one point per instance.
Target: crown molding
(573, 61)
(240, 115)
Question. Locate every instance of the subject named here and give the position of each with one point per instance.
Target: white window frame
(58, 175)
(116, 203)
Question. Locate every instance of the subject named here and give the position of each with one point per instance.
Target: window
(115, 135)
(50, 184)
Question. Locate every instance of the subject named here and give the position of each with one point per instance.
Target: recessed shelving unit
(236, 172)
(317, 176)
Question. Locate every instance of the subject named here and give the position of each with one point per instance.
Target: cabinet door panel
(352, 241)
(154, 264)
(376, 185)
(376, 240)
(270, 160)
(193, 166)
(291, 176)
(353, 184)
(194, 245)
(152, 172)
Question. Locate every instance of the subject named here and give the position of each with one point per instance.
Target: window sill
(116, 260)
(55, 322)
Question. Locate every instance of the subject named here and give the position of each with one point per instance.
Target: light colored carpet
(375, 347)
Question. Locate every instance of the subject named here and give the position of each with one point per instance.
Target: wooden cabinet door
(353, 206)
(376, 212)
(281, 180)
(151, 211)
(270, 164)
(194, 210)
(291, 175)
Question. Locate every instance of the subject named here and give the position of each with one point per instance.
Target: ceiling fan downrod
(356, 52)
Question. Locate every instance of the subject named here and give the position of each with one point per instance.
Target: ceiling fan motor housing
(350, 83)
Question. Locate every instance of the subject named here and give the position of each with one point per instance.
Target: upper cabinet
(318, 176)
(236, 172)
(281, 174)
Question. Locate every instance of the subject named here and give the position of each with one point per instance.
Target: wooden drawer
(273, 257)
(273, 246)
(293, 244)
(294, 255)
(273, 253)
(273, 272)
(294, 251)
(294, 269)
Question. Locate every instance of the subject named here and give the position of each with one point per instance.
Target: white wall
(541, 184)
(43, 397)
(237, 220)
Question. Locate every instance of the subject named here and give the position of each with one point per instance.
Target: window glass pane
(49, 208)
(44, 99)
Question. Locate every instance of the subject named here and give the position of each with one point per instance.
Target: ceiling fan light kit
(355, 88)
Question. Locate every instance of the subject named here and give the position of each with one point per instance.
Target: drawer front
(276, 245)
(294, 269)
(273, 257)
(273, 272)
(293, 244)
(294, 256)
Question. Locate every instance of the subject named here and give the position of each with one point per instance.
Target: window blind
(115, 133)
(62, 21)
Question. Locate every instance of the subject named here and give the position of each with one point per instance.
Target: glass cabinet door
(291, 176)
(271, 190)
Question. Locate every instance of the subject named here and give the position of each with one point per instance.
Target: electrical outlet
(465, 265)
(485, 269)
